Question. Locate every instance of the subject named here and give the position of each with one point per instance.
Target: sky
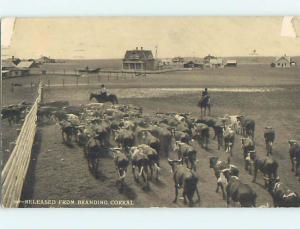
(110, 37)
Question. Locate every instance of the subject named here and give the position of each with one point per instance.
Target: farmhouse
(9, 69)
(282, 62)
(178, 60)
(139, 59)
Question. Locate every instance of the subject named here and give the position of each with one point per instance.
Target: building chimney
(141, 48)
(137, 48)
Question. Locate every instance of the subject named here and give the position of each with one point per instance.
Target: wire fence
(14, 172)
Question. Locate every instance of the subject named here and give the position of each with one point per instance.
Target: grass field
(60, 172)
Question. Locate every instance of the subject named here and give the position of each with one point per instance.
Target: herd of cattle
(133, 138)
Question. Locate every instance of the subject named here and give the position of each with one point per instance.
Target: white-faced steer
(186, 179)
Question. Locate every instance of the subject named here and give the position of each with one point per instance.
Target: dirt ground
(58, 172)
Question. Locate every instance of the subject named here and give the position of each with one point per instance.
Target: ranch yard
(60, 172)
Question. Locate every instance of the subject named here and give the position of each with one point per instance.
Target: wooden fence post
(48, 83)
(63, 82)
(88, 80)
(76, 81)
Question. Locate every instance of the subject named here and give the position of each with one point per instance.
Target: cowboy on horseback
(103, 91)
(204, 102)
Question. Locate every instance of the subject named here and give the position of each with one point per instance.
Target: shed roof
(25, 64)
(231, 62)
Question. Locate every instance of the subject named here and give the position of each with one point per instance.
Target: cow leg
(176, 193)
(133, 173)
(223, 191)
(292, 162)
(151, 172)
(197, 193)
(185, 196)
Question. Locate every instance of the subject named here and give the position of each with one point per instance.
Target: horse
(102, 98)
(204, 103)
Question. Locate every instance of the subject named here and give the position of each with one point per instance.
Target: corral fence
(14, 172)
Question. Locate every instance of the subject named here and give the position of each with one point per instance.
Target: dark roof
(138, 55)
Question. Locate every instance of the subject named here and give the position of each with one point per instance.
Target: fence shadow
(29, 183)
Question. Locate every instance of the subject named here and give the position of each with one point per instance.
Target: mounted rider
(103, 91)
(205, 95)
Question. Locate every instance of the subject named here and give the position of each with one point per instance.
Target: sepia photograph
(142, 112)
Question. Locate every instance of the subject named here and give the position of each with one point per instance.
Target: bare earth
(58, 172)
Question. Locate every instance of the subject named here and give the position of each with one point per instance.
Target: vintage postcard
(138, 112)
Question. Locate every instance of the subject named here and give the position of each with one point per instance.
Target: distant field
(242, 76)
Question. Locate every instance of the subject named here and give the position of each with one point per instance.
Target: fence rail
(15, 169)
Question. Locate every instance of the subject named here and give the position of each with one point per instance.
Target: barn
(192, 64)
(139, 59)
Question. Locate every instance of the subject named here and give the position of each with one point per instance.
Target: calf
(239, 192)
(186, 179)
(282, 195)
(219, 167)
(93, 152)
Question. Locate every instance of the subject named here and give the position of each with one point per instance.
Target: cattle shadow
(128, 192)
(158, 183)
(29, 183)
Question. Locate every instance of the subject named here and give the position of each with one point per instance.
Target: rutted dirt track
(58, 172)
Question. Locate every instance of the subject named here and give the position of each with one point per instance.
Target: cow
(269, 136)
(11, 113)
(121, 162)
(125, 139)
(268, 166)
(218, 167)
(165, 138)
(229, 136)
(237, 191)
(145, 137)
(201, 134)
(247, 145)
(282, 195)
(140, 161)
(294, 152)
(181, 136)
(233, 122)
(186, 154)
(247, 126)
(67, 131)
(153, 159)
(93, 151)
(186, 179)
(218, 128)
